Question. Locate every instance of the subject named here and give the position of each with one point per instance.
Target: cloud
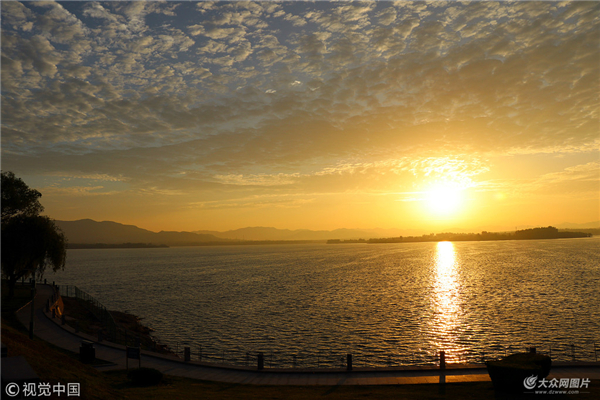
(255, 202)
(257, 179)
(16, 15)
(77, 191)
(387, 16)
(578, 179)
(61, 26)
(255, 93)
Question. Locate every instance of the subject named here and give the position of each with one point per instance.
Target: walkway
(50, 330)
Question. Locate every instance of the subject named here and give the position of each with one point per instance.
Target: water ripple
(388, 303)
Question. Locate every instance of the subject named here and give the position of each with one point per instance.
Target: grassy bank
(130, 329)
(55, 366)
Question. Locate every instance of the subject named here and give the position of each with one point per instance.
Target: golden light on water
(446, 294)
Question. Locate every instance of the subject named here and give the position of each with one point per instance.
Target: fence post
(532, 350)
(186, 354)
(349, 362)
(260, 361)
(442, 359)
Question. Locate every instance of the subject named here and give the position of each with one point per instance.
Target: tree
(18, 198)
(30, 242)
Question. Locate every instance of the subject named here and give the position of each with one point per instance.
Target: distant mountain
(89, 231)
(268, 233)
(251, 233)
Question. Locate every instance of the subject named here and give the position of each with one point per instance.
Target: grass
(130, 330)
(76, 313)
(54, 366)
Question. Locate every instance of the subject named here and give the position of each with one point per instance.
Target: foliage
(18, 198)
(30, 242)
(145, 376)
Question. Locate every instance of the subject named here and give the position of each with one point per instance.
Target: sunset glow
(446, 295)
(419, 116)
(444, 199)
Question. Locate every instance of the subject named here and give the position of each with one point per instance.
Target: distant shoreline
(115, 246)
(376, 241)
(526, 234)
(193, 244)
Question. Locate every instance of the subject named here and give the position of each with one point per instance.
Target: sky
(305, 115)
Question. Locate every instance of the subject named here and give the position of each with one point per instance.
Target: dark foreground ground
(54, 365)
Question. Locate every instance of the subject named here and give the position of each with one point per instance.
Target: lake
(387, 304)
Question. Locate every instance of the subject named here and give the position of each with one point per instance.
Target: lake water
(387, 304)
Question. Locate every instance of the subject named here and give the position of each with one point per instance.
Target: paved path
(63, 336)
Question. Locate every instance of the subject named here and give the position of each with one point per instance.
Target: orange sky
(189, 116)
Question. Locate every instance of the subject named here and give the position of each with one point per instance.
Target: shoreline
(130, 326)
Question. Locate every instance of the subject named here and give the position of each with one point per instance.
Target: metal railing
(569, 352)
(95, 307)
(588, 351)
(111, 331)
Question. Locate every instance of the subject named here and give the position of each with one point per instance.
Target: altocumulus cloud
(267, 93)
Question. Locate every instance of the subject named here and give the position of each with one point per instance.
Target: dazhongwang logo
(530, 382)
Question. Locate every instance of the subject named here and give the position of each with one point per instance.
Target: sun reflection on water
(446, 296)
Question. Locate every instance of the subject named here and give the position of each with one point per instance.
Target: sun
(444, 199)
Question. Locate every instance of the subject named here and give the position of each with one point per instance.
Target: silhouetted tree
(18, 198)
(30, 242)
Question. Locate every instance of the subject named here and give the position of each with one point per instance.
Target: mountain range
(87, 231)
(266, 233)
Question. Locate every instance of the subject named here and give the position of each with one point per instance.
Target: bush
(509, 373)
(145, 376)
